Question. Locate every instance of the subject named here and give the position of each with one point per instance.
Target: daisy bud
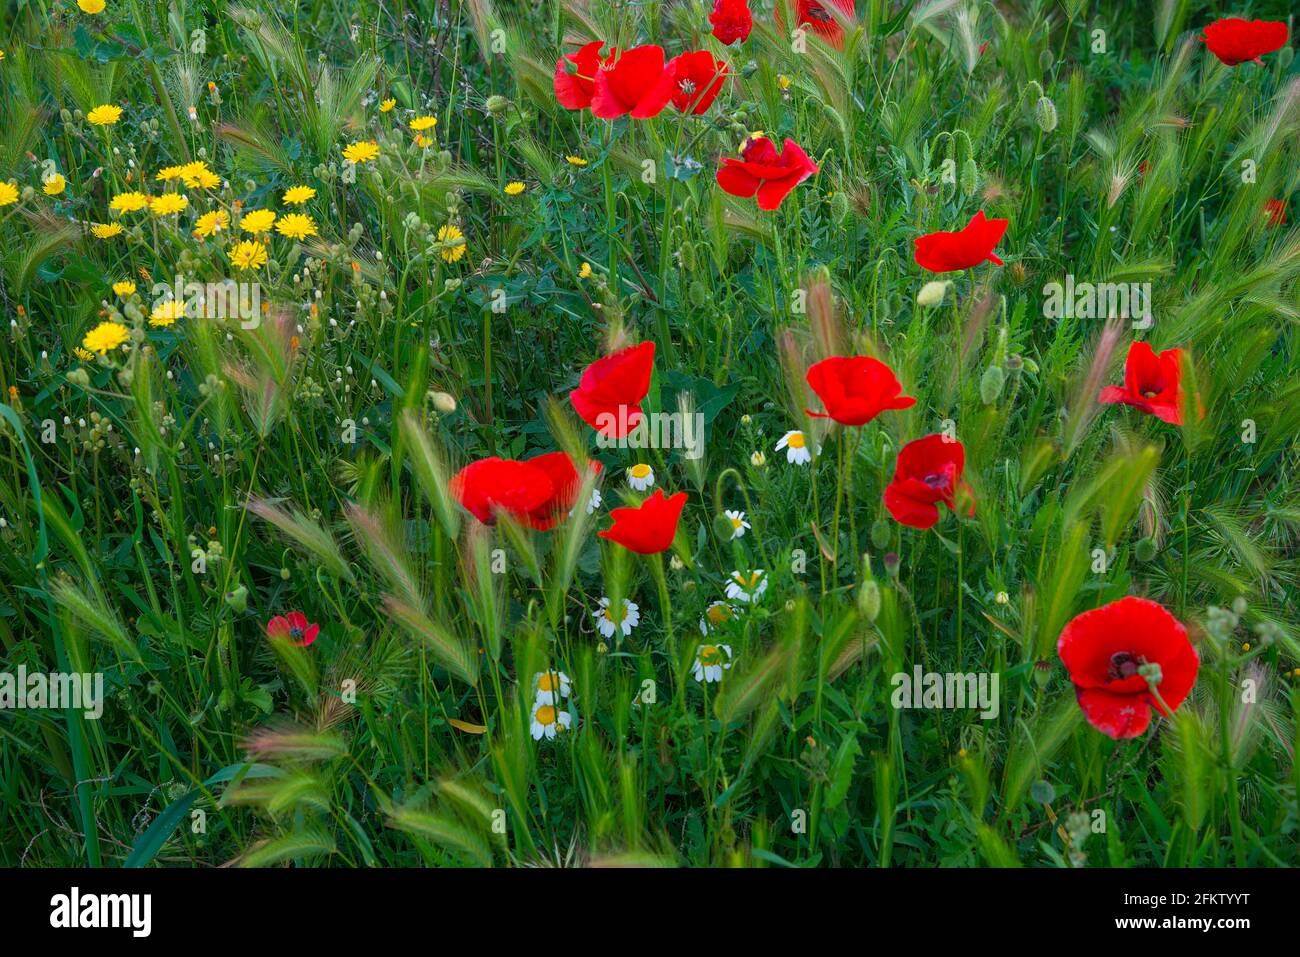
(443, 402)
(758, 460)
(931, 293)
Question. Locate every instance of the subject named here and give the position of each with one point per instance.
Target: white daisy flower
(746, 586)
(640, 476)
(715, 616)
(547, 720)
(738, 523)
(710, 662)
(796, 448)
(611, 620)
(550, 685)
(593, 503)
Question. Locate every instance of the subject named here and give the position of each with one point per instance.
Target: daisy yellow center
(796, 440)
(615, 615)
(641, 471)
(749, 581)
(718, 614)
(546, 714)
(547, 682)
(710, 655)
(736, 522)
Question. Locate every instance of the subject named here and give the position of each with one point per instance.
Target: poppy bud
(699, 293)
(880, 534)
(931, 293)
(1145, 550)
(1045, 114)
(839, 206)
(498, 104)
(991, 384)
(869, 600)
(970, 176)
(238, 599)
(892, 561)
(1042, 673)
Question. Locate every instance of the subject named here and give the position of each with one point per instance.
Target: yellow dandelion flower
(105, 115)
(453, 241)
(515, 188)
(8, 193)
(421, 123)
(298, 195)
(85, 355)
(55, 185)
(166, 313)
(106, 230)
(576, 161)
(169, 173)
(296, 226)
(124, 288)
(129, 202)
(91, 6)
(423, 141)
(210, 223)
(105, 337)
(585, 271)
(387, 105)
(362, 151)
(168, 204)
(257, 221)
(196, 175)
(248, 255)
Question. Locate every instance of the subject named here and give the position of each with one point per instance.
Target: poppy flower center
(295, 632)
(939, 481)
(687, 86)
(1123, 665)
(815, 12)
(1150, 394)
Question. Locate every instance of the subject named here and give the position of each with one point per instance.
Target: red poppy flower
(697, 80)
(559, 468)
(575, 90)
(731, 20)
(294, 627)
(609, 394)
(649, 528)
(928, 472)
(1152, 383)
(635, 83)
(1235, 41)
(819, 18)
(1103, 650)
(493, 485)
(1276, 209)
(763, 171)
(952, 252)
(855, 389)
